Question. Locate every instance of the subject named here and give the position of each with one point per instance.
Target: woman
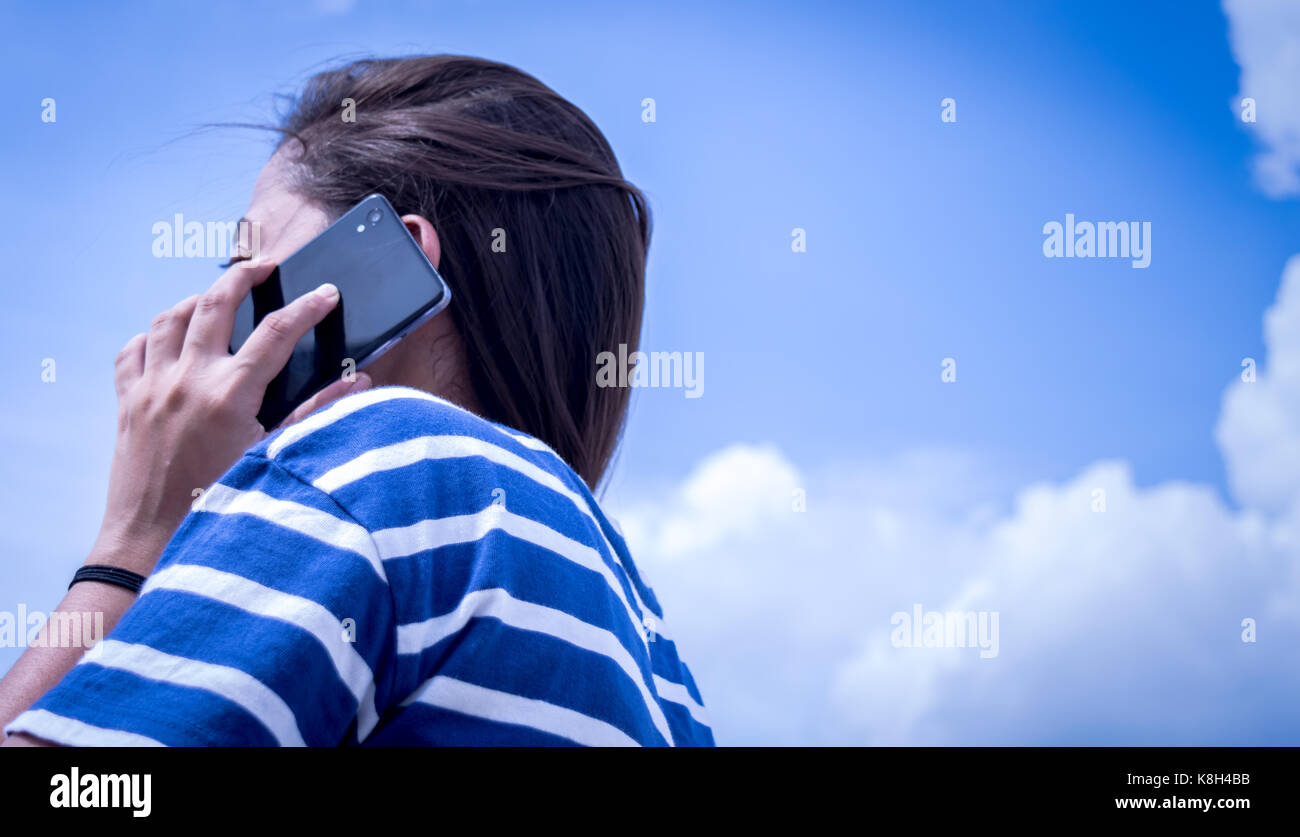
(416, 557)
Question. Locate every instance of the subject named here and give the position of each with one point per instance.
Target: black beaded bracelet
(110, 575)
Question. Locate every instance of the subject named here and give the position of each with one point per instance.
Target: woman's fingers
(167, 334)
(214, 316)
(331, 393)
(129, 365)
(269, 347)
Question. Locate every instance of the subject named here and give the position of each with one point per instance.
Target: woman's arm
(43, 665)
(187, 411)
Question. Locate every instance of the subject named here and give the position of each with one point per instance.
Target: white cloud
(1122, 626)
(1259, 425)
(729, 493)
(1265, 39)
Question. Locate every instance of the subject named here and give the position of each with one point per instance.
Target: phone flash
(361, 227)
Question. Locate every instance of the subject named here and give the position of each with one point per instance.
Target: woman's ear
(425, 236)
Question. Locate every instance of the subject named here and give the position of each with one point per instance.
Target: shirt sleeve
(268, 621)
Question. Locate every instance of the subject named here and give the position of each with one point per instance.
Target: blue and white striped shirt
(392, 570)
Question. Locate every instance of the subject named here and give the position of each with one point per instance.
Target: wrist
(131, 548)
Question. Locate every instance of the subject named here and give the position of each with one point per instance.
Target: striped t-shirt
(392, 570)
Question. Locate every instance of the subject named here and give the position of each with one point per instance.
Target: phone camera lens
(374, 216)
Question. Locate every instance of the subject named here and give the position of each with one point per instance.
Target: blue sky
(822, 368)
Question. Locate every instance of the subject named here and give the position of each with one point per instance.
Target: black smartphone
(387, 288)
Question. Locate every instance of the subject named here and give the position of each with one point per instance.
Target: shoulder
(374, 418)
(379, 450)
(392, 419)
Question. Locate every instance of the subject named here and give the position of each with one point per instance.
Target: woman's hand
(187, 408)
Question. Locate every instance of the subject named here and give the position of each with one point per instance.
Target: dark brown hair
(477, 146)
